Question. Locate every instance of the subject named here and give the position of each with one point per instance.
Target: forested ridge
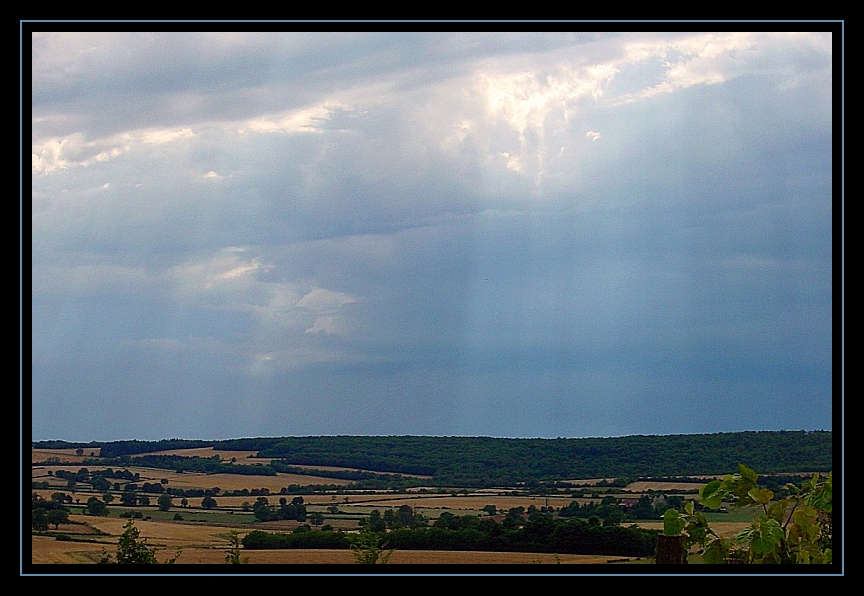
(490, 461)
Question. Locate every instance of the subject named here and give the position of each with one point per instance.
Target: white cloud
(326, 325)
(308, 119)
(241, 270)
(48, 156)
(527, 100)
(54, 154)
(224, 271)
(319, 299)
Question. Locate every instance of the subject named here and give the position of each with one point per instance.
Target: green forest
(489, 461)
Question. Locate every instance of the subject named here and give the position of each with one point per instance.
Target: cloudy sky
(500, 234)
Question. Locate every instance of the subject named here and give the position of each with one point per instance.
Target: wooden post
(670, 550)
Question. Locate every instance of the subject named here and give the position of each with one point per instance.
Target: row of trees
(541, 534)
(296, 510)
(46, 513)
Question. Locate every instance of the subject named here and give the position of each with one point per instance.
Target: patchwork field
(185, 480)
(200, 544)
(202, 537)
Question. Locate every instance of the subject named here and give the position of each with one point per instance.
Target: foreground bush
(794, 529)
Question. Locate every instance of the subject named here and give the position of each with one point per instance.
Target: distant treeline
(488, 461)
(542, 534)
(117, 448)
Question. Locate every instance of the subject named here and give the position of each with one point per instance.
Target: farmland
(202, 537)
(244, 487)
(207, 545)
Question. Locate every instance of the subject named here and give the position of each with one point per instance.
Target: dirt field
(725, 529)
(207, 544)
(63, 455)
(49, 551)
(185, 480)
(644, 486)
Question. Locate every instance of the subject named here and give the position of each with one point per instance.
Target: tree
(47, 512)
(295, 510)
(131, 550)
(408, 518)
(57, 516)
(208, 502)
(39, 520)
(100, 483)
(233, 552)
(164, 501)
(376, 522)
(262, 509)
(96, 507)
(368, 549)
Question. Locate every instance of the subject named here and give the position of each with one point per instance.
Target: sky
(508, 234)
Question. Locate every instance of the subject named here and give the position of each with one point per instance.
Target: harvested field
(228, 482)
(239, 457)
(50, 551)
(207, 544)
(470, 502)
(643, 486)
(407, 557)
(725, 529)
(62, 455)
(185, 480)
(587, 481)
(249, 458)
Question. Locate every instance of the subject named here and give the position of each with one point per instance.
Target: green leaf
(760, 495)
(805, 519)
(716, 551)
(712, 494)
(698, 529)
(673, 523)
(747, 473)
(765, 536)
(777, 510)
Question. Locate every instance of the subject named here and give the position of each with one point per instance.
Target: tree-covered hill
(488, 461)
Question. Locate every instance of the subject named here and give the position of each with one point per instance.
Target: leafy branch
(795, 529)
(368, 549)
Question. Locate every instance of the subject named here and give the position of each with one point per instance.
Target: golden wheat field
(206, 542)
(195, 543)
(249, 458)
(205, 545)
